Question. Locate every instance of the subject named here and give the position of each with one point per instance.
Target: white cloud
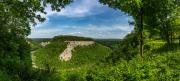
(79, 8)
(120, 27)
(44, 33)
(115, 31)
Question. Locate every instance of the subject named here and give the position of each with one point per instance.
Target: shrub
(161, 67)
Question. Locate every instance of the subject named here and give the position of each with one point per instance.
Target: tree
(133, 8)
(16, 18)
(167, 18)
(143, 12)
(177, 29)
(164, 19)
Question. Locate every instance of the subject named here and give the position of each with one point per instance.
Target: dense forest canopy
(152, 15)
(16, 18)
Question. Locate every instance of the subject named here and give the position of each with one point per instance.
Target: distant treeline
(40, 39)
(111, 43)
(71, 38)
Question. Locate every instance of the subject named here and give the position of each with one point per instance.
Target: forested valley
(151, 52)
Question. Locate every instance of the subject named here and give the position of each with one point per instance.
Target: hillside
(85, 53)
(158, 64)
(92, 61)
(67, 53)
(34, 44)
(111, 43)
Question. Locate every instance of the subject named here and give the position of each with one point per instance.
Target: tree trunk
(171, 37)
(166, 35)
(141, 33)
(179, 39)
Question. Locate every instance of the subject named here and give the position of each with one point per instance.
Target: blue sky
(86, 18)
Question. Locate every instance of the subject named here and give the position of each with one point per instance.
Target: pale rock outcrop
(67, 53)
(44, 43)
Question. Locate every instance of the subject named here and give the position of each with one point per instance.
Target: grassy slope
(111, 43)
(49, 55)
(82, 56)
(82, 60)
(34, 45)
(89, 54)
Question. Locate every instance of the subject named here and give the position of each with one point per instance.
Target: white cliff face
(44, 43)
(67, 53)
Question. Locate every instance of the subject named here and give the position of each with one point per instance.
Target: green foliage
(70, 38)
(87, 62)
(4, 76)
(16, 18)
(34, 45)
(39, 40)
(49, 54)
(74, 77)
(89, 55)
(46, 74)
(111, 43)
(127, 49)
(159, 67)
(83, 57)
(15, 59)
(156, 16)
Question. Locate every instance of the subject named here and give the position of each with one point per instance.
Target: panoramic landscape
(90, 40)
